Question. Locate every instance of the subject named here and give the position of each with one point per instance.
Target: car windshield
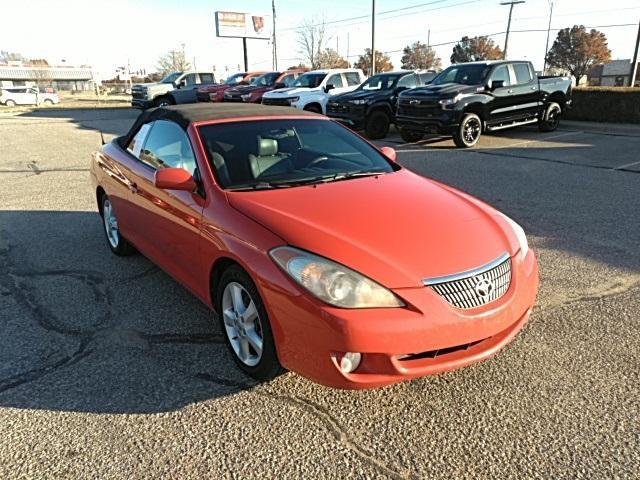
(380, 82)
(309, 80)
(287, 153)
(266, 80)
(237, 78)
(464, 74)
(172, 77)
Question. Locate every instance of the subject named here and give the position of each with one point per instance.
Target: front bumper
(435, 121)
(429, 336)
(141, 103)
(351, 115)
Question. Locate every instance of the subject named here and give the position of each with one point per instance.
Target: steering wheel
(315, 161)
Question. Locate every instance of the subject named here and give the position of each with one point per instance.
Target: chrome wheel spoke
(244, 353)
(256, 342)
(229, 318)
(242, 324)
(250, 313)
(236, 298)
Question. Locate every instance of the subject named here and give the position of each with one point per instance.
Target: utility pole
(506, 39)
(373, 37)
(546, 48)
(275, 51)
(428, 38)
(348, 47)
(337, 44)
(634, 63)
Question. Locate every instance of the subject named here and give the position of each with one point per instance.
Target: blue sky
(107, 34)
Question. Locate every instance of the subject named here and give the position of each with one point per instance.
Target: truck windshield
(380, 82)
(172, 77)
(464, 74)
(237, 78)
(309, 80)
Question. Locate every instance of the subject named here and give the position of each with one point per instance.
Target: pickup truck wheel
(245, 323)
(410, 136)
(377, 125)
(48, 101)
(469, 131)
(551, 118)
(10, 103)
(313, 108)
(162, 102)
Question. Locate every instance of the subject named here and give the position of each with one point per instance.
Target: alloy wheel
(471, 131)
(242, 324)
(110, 223)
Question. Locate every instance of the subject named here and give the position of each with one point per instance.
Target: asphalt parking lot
(109, 369)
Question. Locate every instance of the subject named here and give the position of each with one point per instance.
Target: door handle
(534, 88)
(509, 91)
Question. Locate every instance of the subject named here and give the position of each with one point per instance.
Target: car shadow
(111, 121)
(84, 330)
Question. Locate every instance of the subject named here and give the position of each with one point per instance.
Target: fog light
(350, 361)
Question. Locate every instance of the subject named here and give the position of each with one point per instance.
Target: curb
(622, 129)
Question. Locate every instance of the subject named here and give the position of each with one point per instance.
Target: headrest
(267, 147)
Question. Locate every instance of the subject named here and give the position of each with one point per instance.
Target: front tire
(117, 243)
(313, 108)
(48, 102)
(163, 101)
(245, 323)
(468, 132)
(10, 103)
(410, 136)
(377, 125)
(551, 118)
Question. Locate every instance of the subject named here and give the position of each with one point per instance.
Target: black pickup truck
(371, 106)
(468, 99)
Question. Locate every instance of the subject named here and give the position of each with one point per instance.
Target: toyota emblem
(483, 287)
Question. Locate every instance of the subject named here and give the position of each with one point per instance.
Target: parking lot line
(626, 166)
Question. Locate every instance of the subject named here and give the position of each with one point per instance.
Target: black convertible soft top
(186, 114)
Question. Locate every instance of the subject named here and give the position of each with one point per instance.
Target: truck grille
(282, 102)
(422, 109)
(337, 108)
(477, 287)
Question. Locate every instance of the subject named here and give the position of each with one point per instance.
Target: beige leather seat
(267, 159)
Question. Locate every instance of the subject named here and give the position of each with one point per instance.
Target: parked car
(215, 93)
(467, 99)
(312, 90)
(12, 96)
(372, 105)
(318, 252)
(265, 83)
(163, 93)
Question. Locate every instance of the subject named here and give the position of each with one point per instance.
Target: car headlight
(246, 98)
(450, 102)
(520, 235)
(331, 282)
(293, 99)
(359, 102)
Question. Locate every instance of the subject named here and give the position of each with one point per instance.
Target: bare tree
(6, 57)
(173, 61)
(312, 38)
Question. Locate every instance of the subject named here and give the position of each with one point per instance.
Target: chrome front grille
(476, 287)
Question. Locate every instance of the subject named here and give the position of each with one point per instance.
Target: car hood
(397, 228)
(370, 95)
(290, 92)
(444, 90)
(244, 89)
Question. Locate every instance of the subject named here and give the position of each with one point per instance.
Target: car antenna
(102, 137)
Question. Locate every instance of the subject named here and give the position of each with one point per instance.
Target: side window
(206, 78)
(135, 145)
(501, 73)
(523, 73)
(353, 79)
(335, 80)
(288, 80)
(190, 79)
(408, 81)
(167, 145)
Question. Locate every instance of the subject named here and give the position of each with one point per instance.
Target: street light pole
(506, 40)
(373, 37)
(546, 48)
(634, 62)
(275, 50)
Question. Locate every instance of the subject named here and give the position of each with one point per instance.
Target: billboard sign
(238, 24)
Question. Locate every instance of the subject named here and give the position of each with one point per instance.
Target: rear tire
(377, 125)
(551, 118)
(48, 102)
(244, 323)
(10, 103)
(163, 101)
(468, 132)
(410, 136)
(117, 243)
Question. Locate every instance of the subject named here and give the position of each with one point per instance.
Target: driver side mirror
(389, 152)
(495, 84)
(331, 86)
(175, 179)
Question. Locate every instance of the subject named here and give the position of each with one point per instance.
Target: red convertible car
(318, 252)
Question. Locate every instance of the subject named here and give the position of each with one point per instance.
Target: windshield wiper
(296, 182)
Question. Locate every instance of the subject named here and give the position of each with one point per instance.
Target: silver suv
(177, 87)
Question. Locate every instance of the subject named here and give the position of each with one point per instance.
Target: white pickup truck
(312, 90)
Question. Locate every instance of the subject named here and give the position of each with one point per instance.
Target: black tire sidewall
(377, 125)
(458, 137)
(410, 136)
(312, 108)
(269, 366)
(543, 124)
